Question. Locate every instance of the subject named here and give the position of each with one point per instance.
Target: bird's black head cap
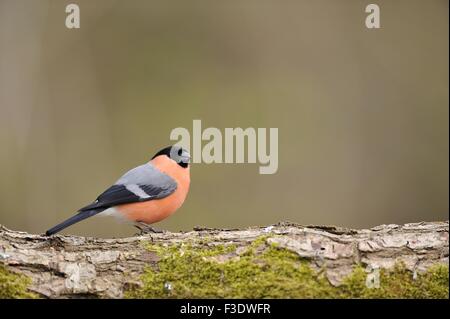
(176, 153)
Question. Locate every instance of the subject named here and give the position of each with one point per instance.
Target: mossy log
(285, 260)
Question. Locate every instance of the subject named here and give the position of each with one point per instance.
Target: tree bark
(71, 266)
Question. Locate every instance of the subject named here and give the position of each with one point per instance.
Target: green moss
(399, 283)
(13, 286)
(265, 271)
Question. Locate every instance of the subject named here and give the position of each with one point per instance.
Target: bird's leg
(146, 228)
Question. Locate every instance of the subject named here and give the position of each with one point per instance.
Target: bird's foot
(147, 229)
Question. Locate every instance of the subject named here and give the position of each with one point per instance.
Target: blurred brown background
(362, 114)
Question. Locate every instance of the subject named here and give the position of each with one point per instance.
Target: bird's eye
(180, 151)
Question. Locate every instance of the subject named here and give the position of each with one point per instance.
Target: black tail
(72, 220)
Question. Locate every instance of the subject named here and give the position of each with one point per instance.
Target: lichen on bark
(280, 261)
(14, 286)
(266, 271)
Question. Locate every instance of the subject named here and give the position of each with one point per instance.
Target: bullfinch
(146, 194)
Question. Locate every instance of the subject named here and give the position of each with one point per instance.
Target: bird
(145, 194)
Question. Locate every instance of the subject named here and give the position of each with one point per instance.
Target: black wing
(121, 194)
